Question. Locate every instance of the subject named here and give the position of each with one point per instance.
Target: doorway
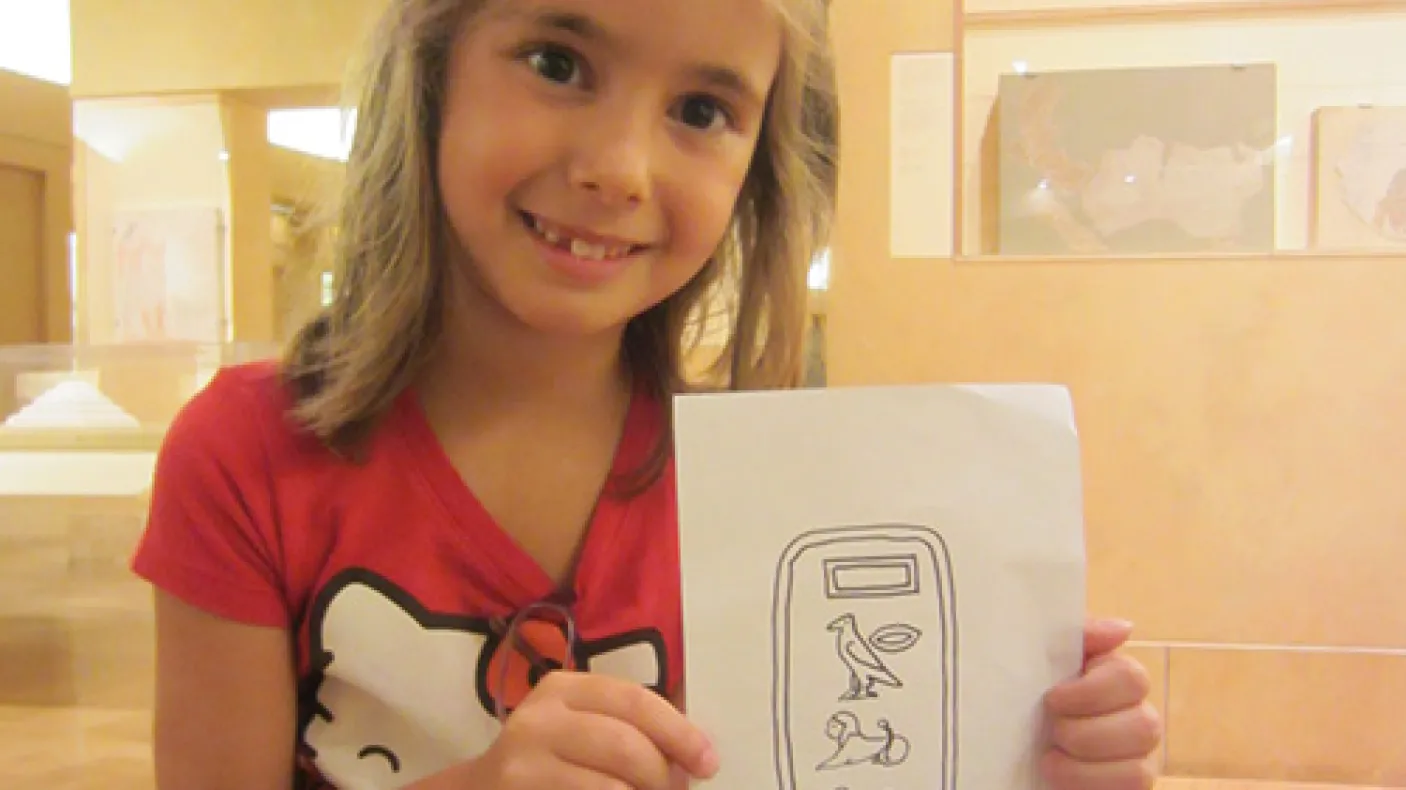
(21, 256)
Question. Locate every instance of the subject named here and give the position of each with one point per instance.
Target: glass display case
(87, 420)
(1210, 128)
(79, 431)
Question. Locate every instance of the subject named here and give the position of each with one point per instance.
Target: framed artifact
(1140, 161)
(1358, 176)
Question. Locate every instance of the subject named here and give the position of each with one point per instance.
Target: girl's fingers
(1126, 735)
(1110, 683)
(610, 747)
(1103, 636)
(1065, 773)
(654, 717)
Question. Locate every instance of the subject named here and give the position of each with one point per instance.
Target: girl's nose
(612, 160)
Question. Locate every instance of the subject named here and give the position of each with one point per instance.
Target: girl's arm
(226, 709)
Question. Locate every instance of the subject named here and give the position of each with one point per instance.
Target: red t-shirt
(391, 574)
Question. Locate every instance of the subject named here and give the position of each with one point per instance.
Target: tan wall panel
(1302, 717)
(36, 136)
(1241, 423)
(898, 25)
(205, 45)
(35, 110)
(252, 281)
(21, 255)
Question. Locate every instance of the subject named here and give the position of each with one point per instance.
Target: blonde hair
(349, 364)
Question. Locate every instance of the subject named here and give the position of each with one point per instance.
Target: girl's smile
(582, 255)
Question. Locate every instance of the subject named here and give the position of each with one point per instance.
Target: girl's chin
(572, 319)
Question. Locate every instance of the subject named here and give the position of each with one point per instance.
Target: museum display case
(80, 428)
(1211, 128)
(86, 421)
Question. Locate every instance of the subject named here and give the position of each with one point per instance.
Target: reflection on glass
(1167, 158)
(1136, 161)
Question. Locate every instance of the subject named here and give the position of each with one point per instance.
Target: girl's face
(592, 151)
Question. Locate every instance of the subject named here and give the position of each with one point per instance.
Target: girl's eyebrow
(577, 24)
(569, 22)
(729, 81)
(559, 20)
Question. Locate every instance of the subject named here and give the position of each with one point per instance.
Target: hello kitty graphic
(398, 692)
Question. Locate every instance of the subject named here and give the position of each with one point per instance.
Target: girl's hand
(578, 731)
(1104, 730)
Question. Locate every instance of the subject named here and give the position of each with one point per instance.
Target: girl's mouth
(562, 239)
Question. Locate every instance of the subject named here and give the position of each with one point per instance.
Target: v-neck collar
(484, 540)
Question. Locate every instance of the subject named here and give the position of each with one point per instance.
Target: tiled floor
(74, 749)
(75, 647)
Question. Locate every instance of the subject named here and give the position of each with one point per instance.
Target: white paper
(922, 147)
(935, 530)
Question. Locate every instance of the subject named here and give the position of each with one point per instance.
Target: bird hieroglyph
(860, 656)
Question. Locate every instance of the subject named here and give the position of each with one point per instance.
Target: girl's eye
(702, 112)
(554, 64)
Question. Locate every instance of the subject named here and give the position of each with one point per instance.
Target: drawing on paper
(854, 747)
(880, 599)
(860, 654)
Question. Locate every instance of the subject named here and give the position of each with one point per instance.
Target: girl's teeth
(585, 249)
(547, 233)
(581, 249)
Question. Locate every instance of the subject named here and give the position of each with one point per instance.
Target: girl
(370, 557)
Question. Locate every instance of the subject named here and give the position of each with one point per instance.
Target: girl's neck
(486, 357)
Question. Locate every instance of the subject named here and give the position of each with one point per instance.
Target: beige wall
(36, 149)
(303, 181)
(21, 254)
(305, 190)
(204, 45)
(1243, 442)
(252, 283)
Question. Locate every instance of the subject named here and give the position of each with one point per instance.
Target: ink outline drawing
(844, 728)
(860, 654)
(887, 573)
